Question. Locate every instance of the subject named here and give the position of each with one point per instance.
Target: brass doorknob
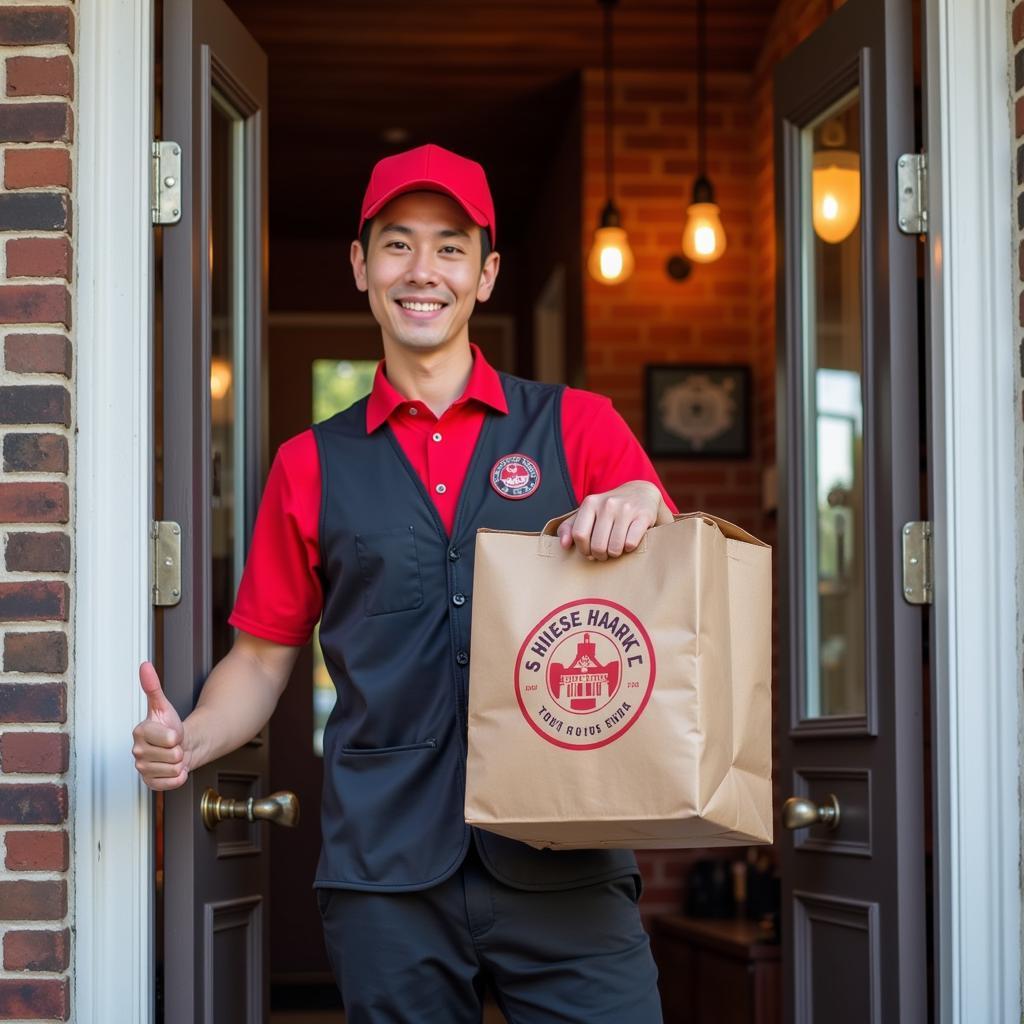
(799, 812)
(282, 808)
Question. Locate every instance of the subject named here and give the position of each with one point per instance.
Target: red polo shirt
(280, 597)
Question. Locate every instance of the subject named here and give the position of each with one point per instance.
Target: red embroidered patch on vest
(515, 476)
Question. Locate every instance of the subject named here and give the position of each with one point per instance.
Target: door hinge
(165, 557)
(917, 562)
(166, 199)
(912, 189)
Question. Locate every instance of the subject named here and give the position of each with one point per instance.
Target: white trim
(972, 412)
(113, 855)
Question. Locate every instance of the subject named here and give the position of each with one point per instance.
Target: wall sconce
(678, 267)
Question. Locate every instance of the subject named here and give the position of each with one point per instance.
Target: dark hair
(485, 241)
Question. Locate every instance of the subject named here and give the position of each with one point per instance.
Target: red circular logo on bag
(515, 476)
(585, 673)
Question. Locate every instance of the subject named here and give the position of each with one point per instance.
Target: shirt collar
(483, 386)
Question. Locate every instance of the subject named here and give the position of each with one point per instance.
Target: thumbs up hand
(159, 747)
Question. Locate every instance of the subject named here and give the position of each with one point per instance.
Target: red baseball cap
(434, 169)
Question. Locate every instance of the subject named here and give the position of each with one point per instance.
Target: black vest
(398, 601)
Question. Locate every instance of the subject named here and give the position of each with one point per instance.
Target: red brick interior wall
(722, 313)
(650, 318)
(36, 412)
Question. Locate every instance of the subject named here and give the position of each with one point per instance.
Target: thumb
(159, 705)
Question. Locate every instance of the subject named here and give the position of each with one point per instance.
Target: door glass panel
(833, 470)
(227, 363)
(337, 383)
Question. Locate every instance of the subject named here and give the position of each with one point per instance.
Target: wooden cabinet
(716, 972)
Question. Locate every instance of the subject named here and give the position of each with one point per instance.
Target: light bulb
(835, 193)
(703, 236)
(611, 258)
(220, 378)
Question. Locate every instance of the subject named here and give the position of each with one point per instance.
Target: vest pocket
(370, 751)
(390, 568)
(393, 815)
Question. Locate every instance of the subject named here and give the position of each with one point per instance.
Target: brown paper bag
(624, 703)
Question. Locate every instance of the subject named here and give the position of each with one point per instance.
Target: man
(368, 521)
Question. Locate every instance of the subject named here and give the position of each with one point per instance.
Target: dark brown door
(214, 94)
(854, 896)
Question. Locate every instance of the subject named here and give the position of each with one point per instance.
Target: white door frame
(972, 410)
(973, 413)
(111, 809)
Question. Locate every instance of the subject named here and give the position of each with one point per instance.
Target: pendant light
(835, 185)
(703, 236)
(611, 258)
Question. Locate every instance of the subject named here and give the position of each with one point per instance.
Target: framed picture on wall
(698, 411)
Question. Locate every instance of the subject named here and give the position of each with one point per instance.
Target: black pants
(577, 956)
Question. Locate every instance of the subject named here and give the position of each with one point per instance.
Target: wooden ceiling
(492, 79)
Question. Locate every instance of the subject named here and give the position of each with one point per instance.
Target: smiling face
(422, 271)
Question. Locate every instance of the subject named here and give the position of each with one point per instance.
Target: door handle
(799, 812)
(282, 808)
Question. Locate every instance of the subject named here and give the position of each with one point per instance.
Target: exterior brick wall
(36, 439)
(722, 313)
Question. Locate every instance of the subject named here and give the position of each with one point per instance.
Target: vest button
(453, 555)
(462, 658)
(458, 600)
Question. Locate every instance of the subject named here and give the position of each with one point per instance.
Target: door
(850, 707)
(213, 299)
